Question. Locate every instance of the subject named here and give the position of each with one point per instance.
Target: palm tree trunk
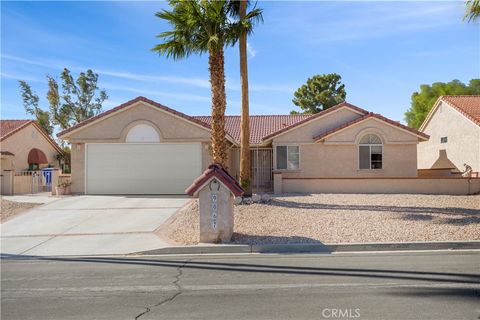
(245, 180)
(219, 104)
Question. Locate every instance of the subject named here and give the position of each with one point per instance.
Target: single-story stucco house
(453, 125)
(24, 145)
(143, 147)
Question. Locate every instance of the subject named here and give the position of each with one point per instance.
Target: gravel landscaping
(12, 208)
(343, 218)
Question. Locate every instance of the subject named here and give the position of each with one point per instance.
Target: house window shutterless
(288, 157)
(370, 152)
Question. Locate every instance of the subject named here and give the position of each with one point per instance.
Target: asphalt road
(422, 285)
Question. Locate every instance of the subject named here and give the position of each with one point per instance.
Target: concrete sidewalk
(90, 225)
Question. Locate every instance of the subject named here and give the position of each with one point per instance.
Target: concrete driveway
(87, 225)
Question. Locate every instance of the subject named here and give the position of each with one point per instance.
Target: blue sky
(382, 50)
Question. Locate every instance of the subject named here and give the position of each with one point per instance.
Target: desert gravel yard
(343, 218)
(11, 208)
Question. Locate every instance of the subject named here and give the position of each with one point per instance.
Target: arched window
(142, 133)
(370, 152)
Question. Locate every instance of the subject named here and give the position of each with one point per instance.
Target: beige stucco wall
(338, 156)
(463, 135)
(21, 142)
(388, 133)
(453, 186)
(318, 126)
(6, 163)
(319, 160)
(114, 129)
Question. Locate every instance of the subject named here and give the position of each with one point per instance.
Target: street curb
(315, 247)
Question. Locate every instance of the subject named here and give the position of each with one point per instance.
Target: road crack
(178, 292)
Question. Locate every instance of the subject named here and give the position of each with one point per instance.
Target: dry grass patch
(344, 218)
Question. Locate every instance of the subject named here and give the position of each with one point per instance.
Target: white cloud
(365, 20)
(146, 78)
(156, 93)
(16, 76)
(250, 50)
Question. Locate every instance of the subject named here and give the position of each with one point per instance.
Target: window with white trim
(370, 152)
(288, 157)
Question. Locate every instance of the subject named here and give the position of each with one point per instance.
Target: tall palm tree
(203, 26)
(246, 22)
(473, 10)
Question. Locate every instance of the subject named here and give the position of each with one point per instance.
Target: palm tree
(203, 26)
(473, 10)
(246, 22)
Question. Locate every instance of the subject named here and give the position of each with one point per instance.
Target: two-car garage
(139, 147)
(141, 168)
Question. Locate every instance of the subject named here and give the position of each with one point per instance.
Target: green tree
(472, 10)
(423, 101)
(30, 102)
(203, 26)
(319, 93)
(78, 100)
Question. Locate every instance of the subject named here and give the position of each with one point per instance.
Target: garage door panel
(142, 168)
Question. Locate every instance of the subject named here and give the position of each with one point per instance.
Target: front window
(288, 157)
(370, 152)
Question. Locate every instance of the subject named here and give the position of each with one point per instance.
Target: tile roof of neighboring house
(217, 171)
(10, 127)
(367, 116)
(127, 104)
(469, 106)
(260, 126)
(6, 153)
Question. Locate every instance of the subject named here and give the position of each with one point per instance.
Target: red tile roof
(10, 127)
(217, 171)
(322, 113)
(127, 104)
(366, 116)
(260, 126)
(469, 106)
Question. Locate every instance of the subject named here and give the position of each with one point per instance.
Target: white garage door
(133, 168)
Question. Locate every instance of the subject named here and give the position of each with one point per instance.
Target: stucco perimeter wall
(463, 136)
(25, 140)
(450, 186)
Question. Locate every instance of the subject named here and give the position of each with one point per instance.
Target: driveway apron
(88, 225)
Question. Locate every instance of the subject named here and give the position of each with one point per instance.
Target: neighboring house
(24, 145)
(143, 147)
(453, 125)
